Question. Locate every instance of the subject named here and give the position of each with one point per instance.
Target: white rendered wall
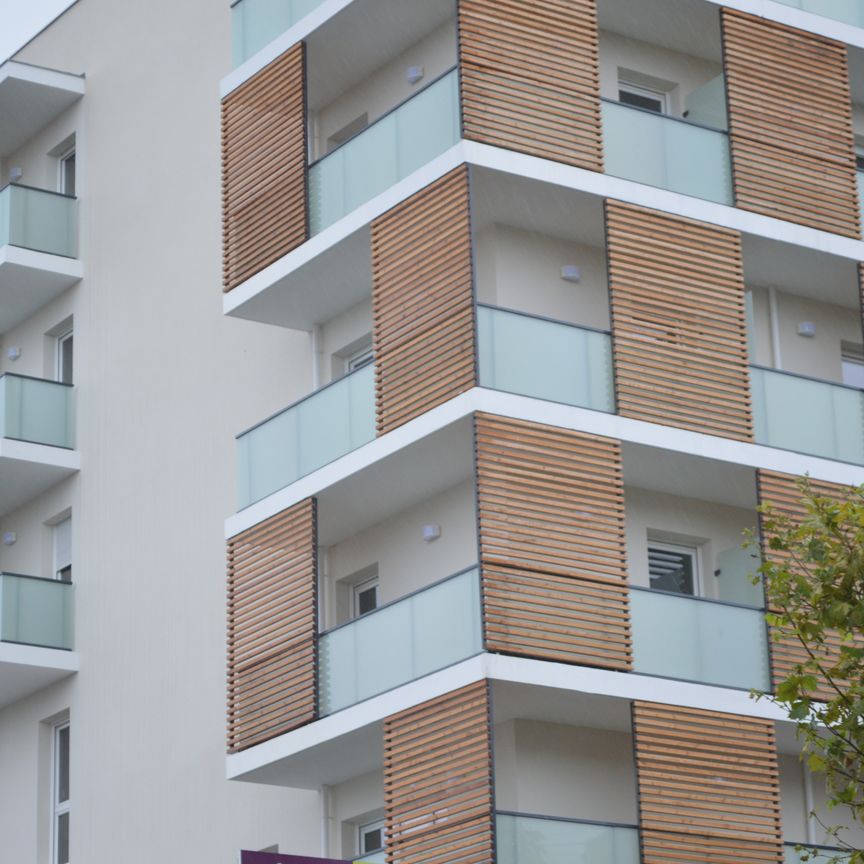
(339, 338)
(353, 803)
(163, 382)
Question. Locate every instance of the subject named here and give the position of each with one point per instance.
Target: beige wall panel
(678, 322)
(530, 77)
(790, 123)
(264, 206)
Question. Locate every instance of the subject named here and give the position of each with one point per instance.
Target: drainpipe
(808, 803)
(326, 802)
(316, 356)
(774, 318)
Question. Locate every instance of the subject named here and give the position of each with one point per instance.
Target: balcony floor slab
(24, 669)
(27, 470)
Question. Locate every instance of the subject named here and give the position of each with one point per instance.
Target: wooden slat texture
(708, 787)
(530, 77)
(264, 206)
(422, 302)
(790, 123)
(272, 576)
(552, 544)
(782, 493)
(679, 338)
(438, 780)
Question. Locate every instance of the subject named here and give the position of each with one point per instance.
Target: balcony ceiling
(337, 59)
(30, 98)
(25, 669)
(28, 470)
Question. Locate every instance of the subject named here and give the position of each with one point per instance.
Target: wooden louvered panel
(790, 123)
(782, 493)
(530, 77)
(708, 786)
(264, 207)
(438, 780)
(272, 575)
(678, 322)
(552, 544)
(423, 304)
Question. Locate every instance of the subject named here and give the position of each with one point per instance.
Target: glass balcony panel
(406, 640)
(36, 612)
(373, 858)
(545, 359)
(826, 853)
(326, 425)
(527, 840)
(807, 416)
(256, 23)
(37, 411)
(847, 11)
(697, 640)
(38, 220)
(671, 154)
(386, 152)
(735, 570)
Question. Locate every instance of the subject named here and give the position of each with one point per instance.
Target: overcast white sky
(20, 20)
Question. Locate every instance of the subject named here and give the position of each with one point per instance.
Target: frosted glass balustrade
(563, 363)
(528, 840)
(826, 853)
(373, 858)
(807, 416)
(699, 640)
(671, 154)
(256, 23)
(322, 427)
(401, 642)
(847, 11)
(393, 147)
(38, 220)
(37, 411)
(36, 611)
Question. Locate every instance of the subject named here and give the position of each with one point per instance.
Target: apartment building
(582, 283)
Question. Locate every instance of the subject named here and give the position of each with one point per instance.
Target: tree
(814, 585)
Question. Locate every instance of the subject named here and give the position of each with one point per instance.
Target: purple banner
(275, 858)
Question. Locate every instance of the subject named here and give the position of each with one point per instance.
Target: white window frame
(647, 92)
(694, 550)
(367, 828)
(357, 589)
(850, 355)
(61, 172)
(58, 808)
(59, 365)
(64, 563)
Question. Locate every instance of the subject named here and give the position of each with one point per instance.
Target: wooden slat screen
(438, 781)
(530, 77)
(552, 545)
(423, 302)
(264, 206)
(679, 340)
(272, 595)
(781, 491)
(790, 123)
(708, 786)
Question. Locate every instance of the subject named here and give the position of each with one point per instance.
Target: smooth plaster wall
(574, 772)
(355, 802)
(341, 337)
(163, 385)
(386, 87)
(521, 270)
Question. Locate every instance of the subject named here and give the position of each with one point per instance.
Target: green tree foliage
(814, 582)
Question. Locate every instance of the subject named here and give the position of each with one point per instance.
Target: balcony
(36, 634)
(36, 437)
(807, 415)
(847, 11)
(666, 152)
(529, 839)
(306, 436)
(430, 630)
(256, 23)
(403, 140)
(38, 244)
(566, 363)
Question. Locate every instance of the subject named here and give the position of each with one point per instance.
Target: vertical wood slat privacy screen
(264, 197)
(272, 620)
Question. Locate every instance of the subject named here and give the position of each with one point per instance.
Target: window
(60, 795)
(365, 597)
(640, 96)
(359, 359)
(673, 568)
(370, 837)
(67, 173)
(853, 365)
(62, 532)
(65, 346)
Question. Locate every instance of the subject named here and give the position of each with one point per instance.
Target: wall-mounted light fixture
(415, 74)
(571, 273)
(13, 352)
(431, 532)
(807, 329)
(15, 174)
(9, 538)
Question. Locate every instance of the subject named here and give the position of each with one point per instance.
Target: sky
(20, 20)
